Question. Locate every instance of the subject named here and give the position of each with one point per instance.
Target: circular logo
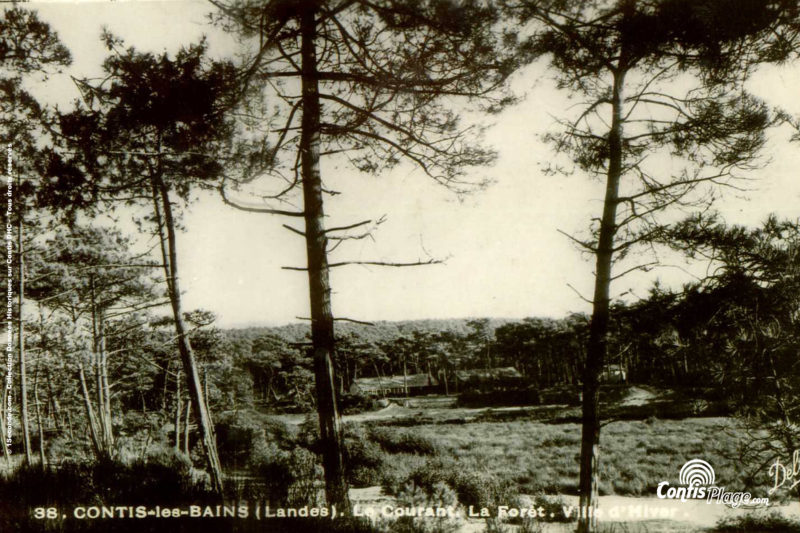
(697, 472)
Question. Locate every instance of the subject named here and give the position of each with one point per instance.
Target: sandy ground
(638, 396)
(441, 408)
(430, 414)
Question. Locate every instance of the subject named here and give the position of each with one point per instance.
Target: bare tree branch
(294, 230)
(341, 319)
(257, 209)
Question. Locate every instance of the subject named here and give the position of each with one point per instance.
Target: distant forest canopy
(375, 331)
(670, 338)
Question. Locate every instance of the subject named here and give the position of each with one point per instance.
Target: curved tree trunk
(161, 201)
(322, 336)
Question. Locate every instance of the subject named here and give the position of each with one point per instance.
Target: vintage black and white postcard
(422, 266)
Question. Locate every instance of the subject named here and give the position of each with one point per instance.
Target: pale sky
(504, 255)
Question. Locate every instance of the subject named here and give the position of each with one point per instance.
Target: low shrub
(363, 458)
(308, 434)
(440, 495)
(561, 394)
(287, 477)
(66, 449)
(562, 439)
(553, 508)
(162, 479)
(403, 441)
(763, 522)
(356, 403)
(407, 524)
(240, 432)
(424, 475)
(29, 485)
(165, 476)
(469, 486)
(472, 488)
(497, 398)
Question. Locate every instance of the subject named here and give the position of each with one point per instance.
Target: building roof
(395, 382)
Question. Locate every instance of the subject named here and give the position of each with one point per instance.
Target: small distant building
(614, 374)
(481, 378)
(416, 384)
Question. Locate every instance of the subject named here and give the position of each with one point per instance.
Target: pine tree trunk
(164, 391)
(598, 328)
(206, 395)
(405, 378)
(94, 432)
(98, 392)
(55, 409)
(380, 379)
(38, 411)
(98, 352)
(187, 419)
(23, 376)
(322, 334)
(178, 409)
(162, 202)
(106, 407)
(69, 425)
(344, 381)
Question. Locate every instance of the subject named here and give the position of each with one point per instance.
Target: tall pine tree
(365, 80)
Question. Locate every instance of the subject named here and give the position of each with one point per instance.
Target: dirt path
(438, 410)
(423, 414)
(637, 396)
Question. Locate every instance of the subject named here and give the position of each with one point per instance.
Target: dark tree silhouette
(746, 309)
(655, 79)
(28, 46)
(150, 133)
(365, 80)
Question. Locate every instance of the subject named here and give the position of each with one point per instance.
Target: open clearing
(543, 458)
(530, 448)
(535, 449)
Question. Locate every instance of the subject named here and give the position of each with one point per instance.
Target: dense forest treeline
(127, 387)
(377, 331)
(101, 359)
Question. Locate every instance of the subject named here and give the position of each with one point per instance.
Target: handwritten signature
(785, 473)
